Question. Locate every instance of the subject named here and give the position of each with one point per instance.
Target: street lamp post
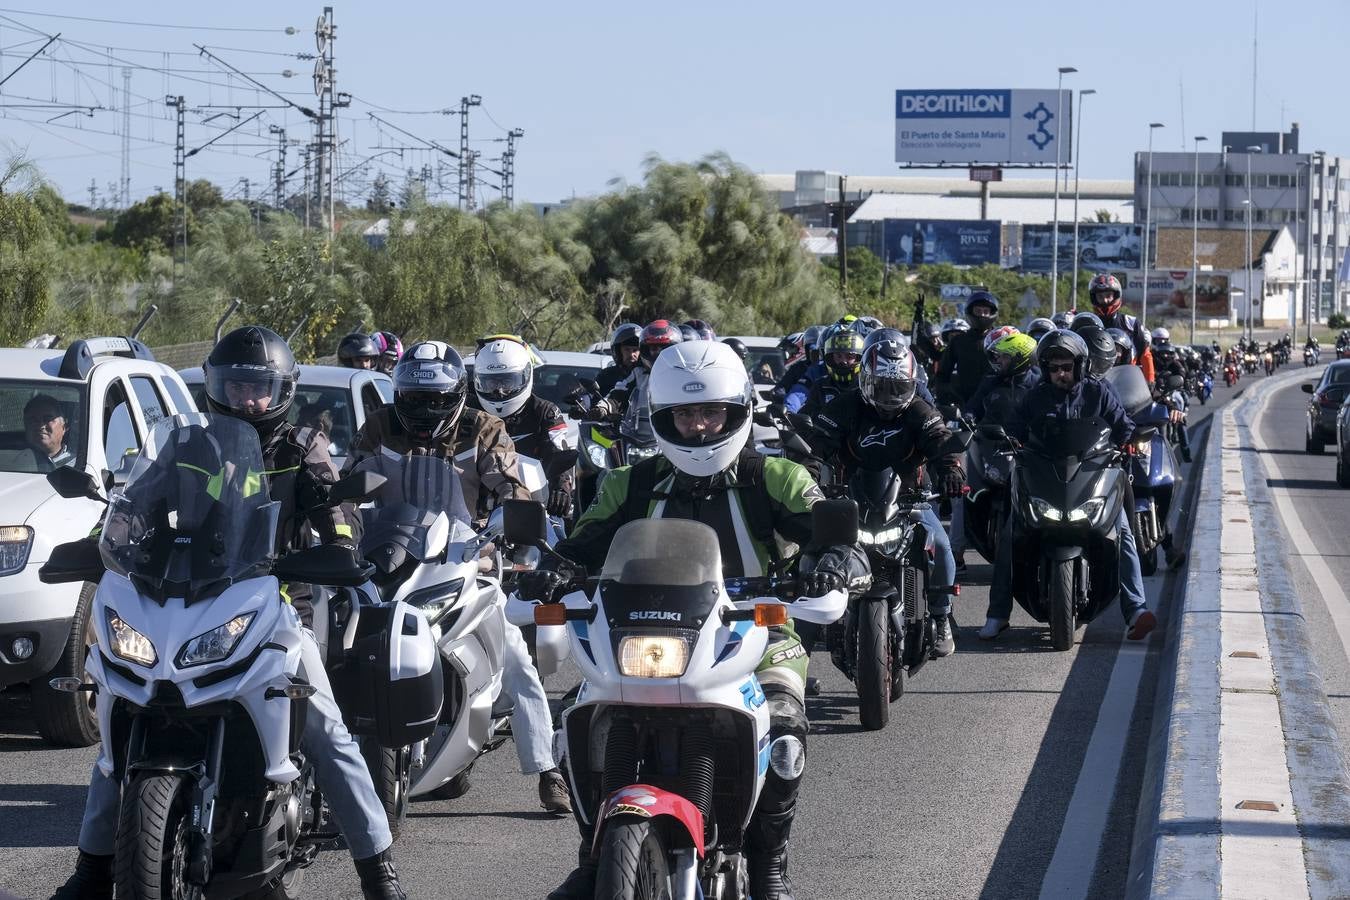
(1148, 220)
(1251, 211)
(1195, 235)
(1077, 165)
(1054, 230)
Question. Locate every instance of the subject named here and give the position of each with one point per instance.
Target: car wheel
(1089, 255)
(64, 718)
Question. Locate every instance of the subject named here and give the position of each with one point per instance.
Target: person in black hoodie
(963, 364)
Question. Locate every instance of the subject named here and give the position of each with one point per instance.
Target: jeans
(943, 574)
(338, 766)
(1131, 576)
(531, 722)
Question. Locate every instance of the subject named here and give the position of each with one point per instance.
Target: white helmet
(695, 373)
(503, 373)
(1161, 336)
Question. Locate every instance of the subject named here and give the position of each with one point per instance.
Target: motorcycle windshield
(637, 419)
(195, 514)
(1070, 438)
(661, 573)
(417, 489)
(875, 492)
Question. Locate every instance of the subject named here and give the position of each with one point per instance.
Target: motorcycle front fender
(1061, 552)
(643, 801)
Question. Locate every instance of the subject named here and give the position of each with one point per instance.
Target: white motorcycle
(667, 745)
(197, 666)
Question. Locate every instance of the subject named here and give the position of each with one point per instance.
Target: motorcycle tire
(390, 772)
(1342, 474)
(874, 664)
(1148, 559)
(456, 787)
(1062, 603)
(68, 719)
(633, 862)
(152, 839)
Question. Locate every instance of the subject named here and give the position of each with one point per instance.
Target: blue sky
(599, 85)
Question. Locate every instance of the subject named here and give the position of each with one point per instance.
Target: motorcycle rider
(251, 375)
(810, 355)
(1168, 363)
(1065, 392)
(843, 350)
(885, 424)
(1039, 327)
(429, 416)
(928, 345)
(391, 350)
(701, 413)
(964, 364)
(623, 346)
(702, 330)
(503, 382)
(1124, 347)
(1084, 320)
(357, 351)
(1106, 294)
(630, 394)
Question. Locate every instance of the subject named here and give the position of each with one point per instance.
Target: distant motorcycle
(1310, 356)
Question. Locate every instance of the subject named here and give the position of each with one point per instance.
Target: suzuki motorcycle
(197, 667)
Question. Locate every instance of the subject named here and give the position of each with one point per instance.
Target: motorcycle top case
(1131, 387)
(389, 684)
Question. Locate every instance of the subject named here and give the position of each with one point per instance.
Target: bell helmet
(355, 348)
(692, 377)
(1161, 336)
(1061, 342)
(656, 337)
(251, 374)
(430, 386)
(954, 326)
(1012, 354)
(889, 374)
(1039, 327)
(843, 352)
(1084, 320)
(981, 310)
(390, 347)
(739, 346)
(1105, 292)
(1124, 346)
(1102, 350)
(702, 329)
(503, 373)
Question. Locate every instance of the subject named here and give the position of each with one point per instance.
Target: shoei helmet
(1040, 327)
(503, 373)
(1084, 320)
(739, 346)
(696, 379)
(889, 374)
(1012, 354)
(656, 337)
(1101, 350)
(629, 334)
(1105, 292)
(390, 347)
(1124, 346)
(981, 310)
(1161, 336)
(356, 346)
(430, 386)
(251, 375)
(1061, 343)
(702, 329)
(843, 352)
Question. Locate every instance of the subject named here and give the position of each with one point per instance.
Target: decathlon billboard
(975, 127)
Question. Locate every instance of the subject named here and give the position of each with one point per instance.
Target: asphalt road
(964, 794)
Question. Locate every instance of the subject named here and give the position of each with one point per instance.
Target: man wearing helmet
(429, 416)
(812, 339)
(1106, 294)
(251, 375)
(1066, 392)
(623, 346)
(503, 382)
(391, 349)
(1040, 327)
(886, 424)
(702, 330)
(357, 351)
(928, 344)
(843, 351)
(963, 364)
(702, 403)
(628, 400)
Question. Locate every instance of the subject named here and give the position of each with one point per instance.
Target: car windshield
(554, 382)
(328, 409)
(41, 425)
(417, 489)
(195, 514)
(674, 552)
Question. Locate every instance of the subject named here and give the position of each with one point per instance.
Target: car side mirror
(73, 483)
(834, 522)
(357, 487)
(1307, 389)
(524, 523)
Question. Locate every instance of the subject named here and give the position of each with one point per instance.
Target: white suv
(85, 407)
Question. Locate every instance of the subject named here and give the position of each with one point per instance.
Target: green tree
(25, 254)
(865, 275)
(146, 225)
(203, 196)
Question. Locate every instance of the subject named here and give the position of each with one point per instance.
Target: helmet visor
(499, 386)
(699, 424)
(249, 392)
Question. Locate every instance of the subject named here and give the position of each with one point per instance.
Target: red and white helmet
(1105, 292)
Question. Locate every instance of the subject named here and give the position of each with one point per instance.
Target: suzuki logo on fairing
(648, 615)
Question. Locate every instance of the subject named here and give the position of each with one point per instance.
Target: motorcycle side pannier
(389, 683)
(1131, 387)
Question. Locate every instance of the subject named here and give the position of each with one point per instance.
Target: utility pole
(843, 239)
(279, 172)
(325, 123)
(308, 153)
(509, 167)
(470, 163)
(93, 195)
(179, 184)
(125, 193)
(465, 165)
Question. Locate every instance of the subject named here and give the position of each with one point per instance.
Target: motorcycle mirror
(959, 440)
(762, 417)
(993, 432)
(794, 442)
(524, 523)
(1307, 389)
(834, 522)
(589, 384)
(800, 421)
(356, 487)
(72, 562)
(327, 564)
(72, 483)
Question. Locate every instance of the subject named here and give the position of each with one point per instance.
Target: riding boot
(379, 881)
(580, 882)
(766, 852)
(91, 880)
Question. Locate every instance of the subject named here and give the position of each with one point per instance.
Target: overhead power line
(285, 29)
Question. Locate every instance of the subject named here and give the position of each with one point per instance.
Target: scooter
(988, 473)
(667, 745)
(197, 667)
(1155, 475)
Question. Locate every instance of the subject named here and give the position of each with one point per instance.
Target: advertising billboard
(983, 127)
(1101, 247)
(914, 242)
(1169, 294)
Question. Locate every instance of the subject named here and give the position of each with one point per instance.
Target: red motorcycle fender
(647, 802)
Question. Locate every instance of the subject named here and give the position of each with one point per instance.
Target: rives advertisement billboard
(965, 127)
(1100, 246)
(914, 242)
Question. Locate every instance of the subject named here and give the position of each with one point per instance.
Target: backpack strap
(754, 498)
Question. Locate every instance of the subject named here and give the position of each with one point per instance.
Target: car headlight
(1040, 509)
(598, 455)
(653, 655)
(216, 644)
(15, 543)
(1088, 511)
(128, 643)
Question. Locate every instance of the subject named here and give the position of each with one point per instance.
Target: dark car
(1343, 446)
(1328, 393)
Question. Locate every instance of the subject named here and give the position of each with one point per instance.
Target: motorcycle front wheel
(152, 839)
(1061, 595)
(873, 677)
(633, 863)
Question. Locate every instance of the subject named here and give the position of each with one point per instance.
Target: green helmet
(1013, 354)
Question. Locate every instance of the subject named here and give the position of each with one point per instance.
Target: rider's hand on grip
(539, 584)
(953, 482)
(560, 503)
(818, 583)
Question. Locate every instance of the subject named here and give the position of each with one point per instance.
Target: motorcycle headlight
(1088, 511)
(1040, 509)
(435, 601)
(638, 454)
(884, 536)
(653, 655)
(128, 643)
(15, 543)
(598, 455)
(216, 644)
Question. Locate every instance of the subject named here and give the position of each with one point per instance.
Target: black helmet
(1124, 346)
(430, 386)
(1062, 342)
(688, 333)
(739, 346)
(977, 321)
(629, 333)
(1039, 327)
(812, 338)
(889, 376)
(702, 330)
(356, 346)
(251, 375)
(1084, 320)
(1101, 349)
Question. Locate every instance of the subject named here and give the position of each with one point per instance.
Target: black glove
(539, 584)
(953, 482)
(830, 574)
(560, 503)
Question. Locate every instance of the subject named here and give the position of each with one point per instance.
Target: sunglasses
(1059, 367)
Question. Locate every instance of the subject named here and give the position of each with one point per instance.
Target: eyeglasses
(1059, 367)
